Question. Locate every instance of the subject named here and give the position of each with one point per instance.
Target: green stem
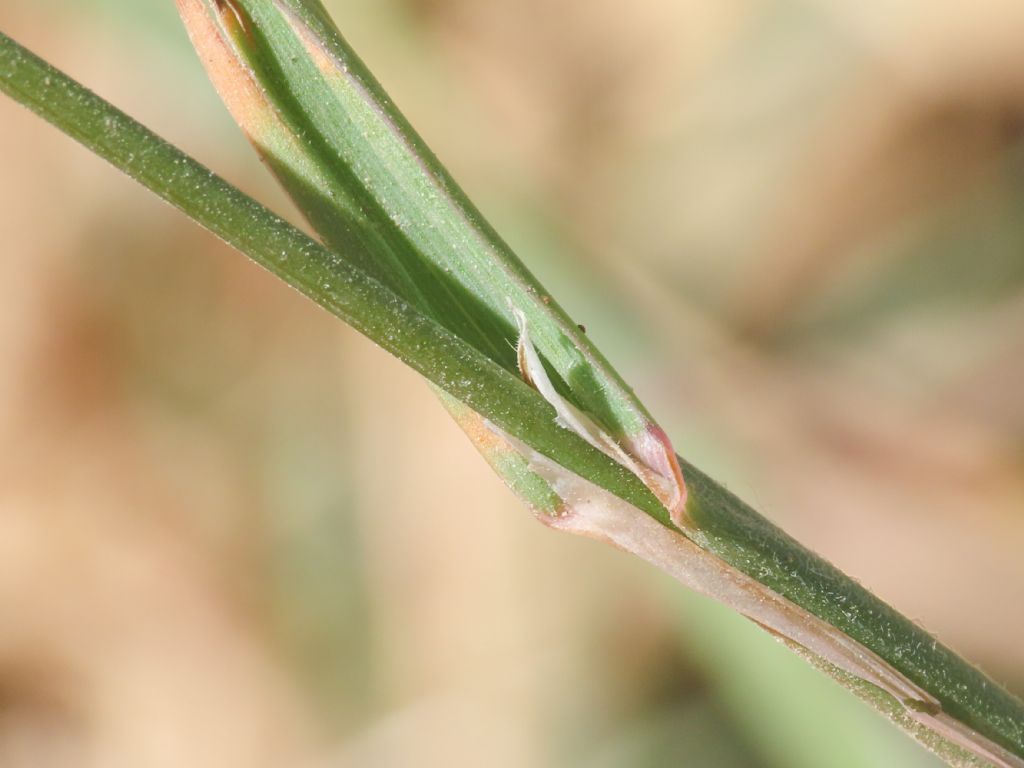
(332, 282)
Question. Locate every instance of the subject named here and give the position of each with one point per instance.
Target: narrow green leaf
(451, 364)
(377, 195)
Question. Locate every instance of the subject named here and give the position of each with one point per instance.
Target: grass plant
(404, 257)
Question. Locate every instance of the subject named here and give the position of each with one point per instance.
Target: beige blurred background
(234, 533)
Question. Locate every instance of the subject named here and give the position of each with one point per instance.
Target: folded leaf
(377, 196)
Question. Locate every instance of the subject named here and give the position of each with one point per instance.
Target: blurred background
(234, 533)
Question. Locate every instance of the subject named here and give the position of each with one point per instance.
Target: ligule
(663, 477)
